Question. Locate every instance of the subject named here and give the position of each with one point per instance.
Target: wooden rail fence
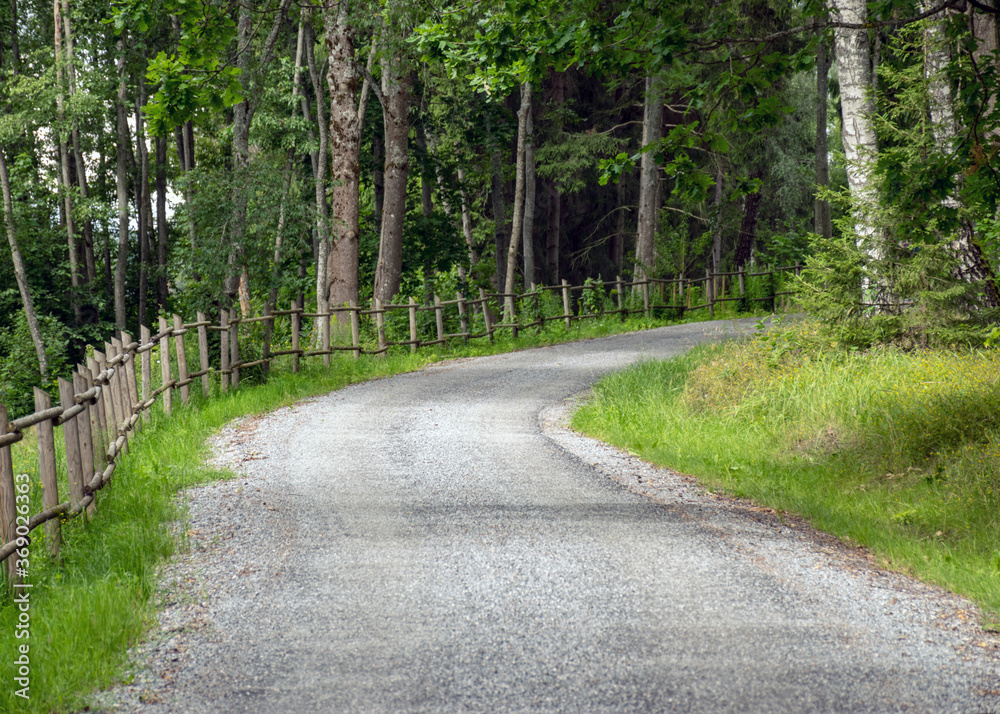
(109, 398)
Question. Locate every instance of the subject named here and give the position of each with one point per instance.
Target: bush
(19, 364)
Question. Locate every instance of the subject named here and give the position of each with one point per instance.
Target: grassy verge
(86, 609)
(898, 451)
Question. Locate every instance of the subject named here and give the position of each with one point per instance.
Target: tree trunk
(854, 70)
(554, 234)
(74, 267)
(19, 274)
(717, 218)
(89, 266)
(618, 244)
(470, 241)
(426, 197)
(121, 179)
(142, 198)
(649, 179)
(748, 226)
(517, 224)
(345, 137)
(238, 280)
(109, 293)
(499, 217)
(161, 223)
(973, 265)
(396, 80)
(821, 209)
(321, 223)
(528, 232)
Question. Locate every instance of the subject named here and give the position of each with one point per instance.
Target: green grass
(89, 607)
(898, 451)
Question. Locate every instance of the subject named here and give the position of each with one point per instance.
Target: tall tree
(397, 80)
(854, 70)
(517, 224)
(649, 180)
(76, 280)
(528, 231)
(20, 275)
(123, 147)
(345, 143)
(821, 208)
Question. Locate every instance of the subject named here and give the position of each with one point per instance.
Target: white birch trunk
(854, 69)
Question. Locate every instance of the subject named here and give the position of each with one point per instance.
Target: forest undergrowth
(896, 450)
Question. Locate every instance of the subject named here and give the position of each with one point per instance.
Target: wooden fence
(108, 399)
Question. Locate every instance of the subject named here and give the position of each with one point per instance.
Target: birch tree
(854, 70)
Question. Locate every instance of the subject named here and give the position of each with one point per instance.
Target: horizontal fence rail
(110, 398)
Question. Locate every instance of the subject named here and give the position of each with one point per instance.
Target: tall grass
(898, 451)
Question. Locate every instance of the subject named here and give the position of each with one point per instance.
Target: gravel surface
(440, 541)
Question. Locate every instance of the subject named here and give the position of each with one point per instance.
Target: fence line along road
(107, 400)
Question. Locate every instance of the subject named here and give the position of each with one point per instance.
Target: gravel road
(439, 541)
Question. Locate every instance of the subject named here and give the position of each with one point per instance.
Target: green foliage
(895, 450)
(197, 77)
(572, 159)
(19, 364)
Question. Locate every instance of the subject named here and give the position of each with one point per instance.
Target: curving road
(437, 542)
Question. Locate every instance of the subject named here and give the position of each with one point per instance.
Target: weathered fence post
(224, 350)
(107, 398)
(234, 352)
(743, 285)
(117, 390)
(512, 310)
(486, 314)
(182, 364)
(47, 471)
(133, 388)
(96, 431)
(99, 424)
(645, 297)
(85, 438)
(413, 325)
(268, 331)
(168, 397)
(8, 501)
(296, 329)
(145, 367)
(710, 291)
(72, 441)
(203, 353)
(355, 330)
(380, 327)
(620, 289)
(439, 318)
(463, 319)
(565, 296)
(326, 339)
